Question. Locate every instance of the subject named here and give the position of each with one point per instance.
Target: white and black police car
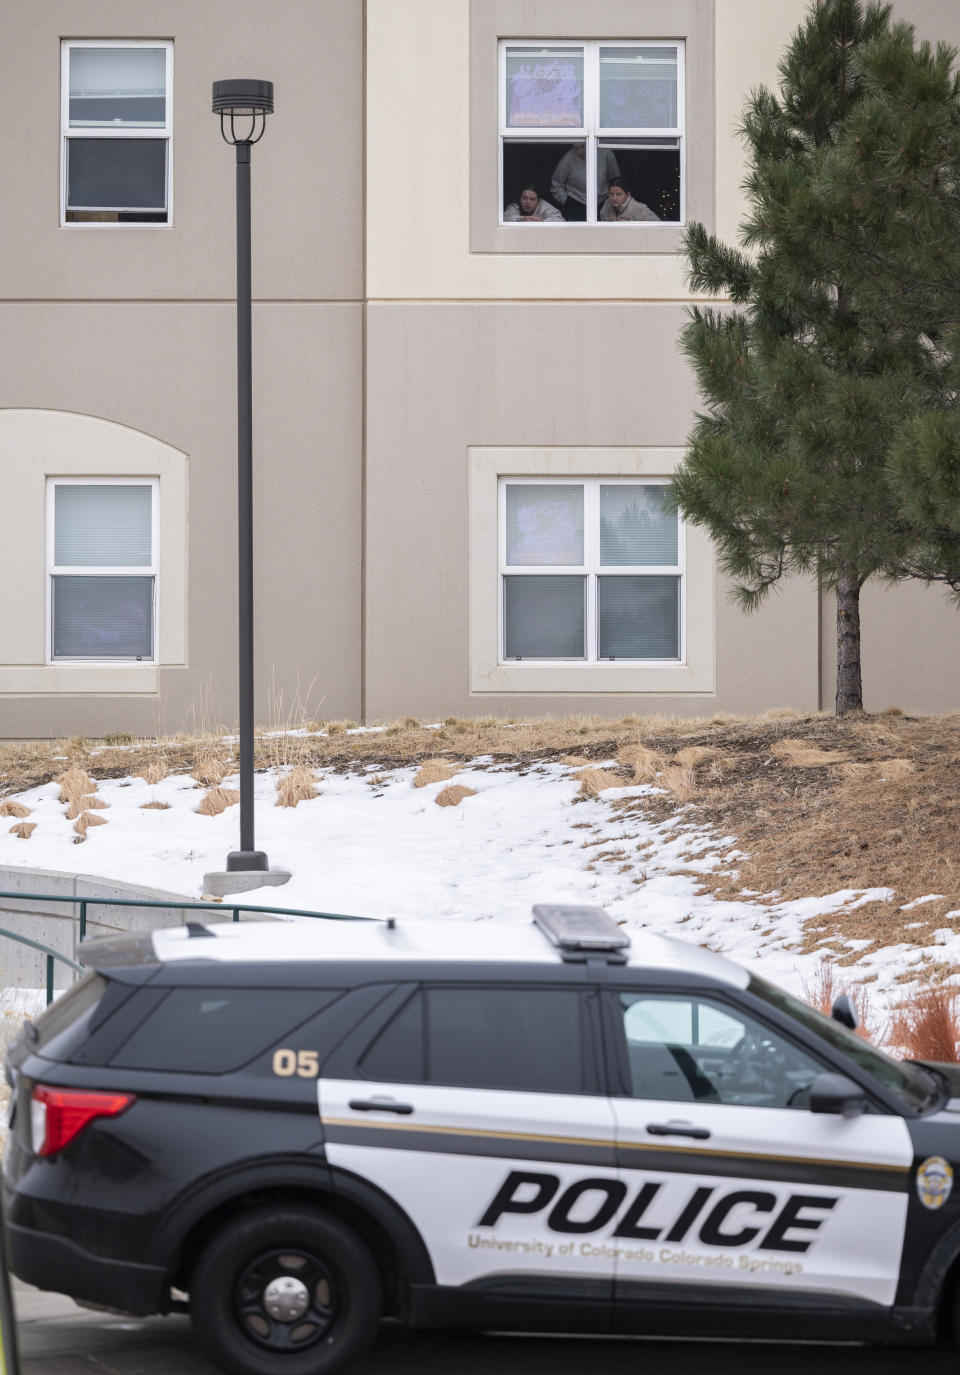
(295, 1129)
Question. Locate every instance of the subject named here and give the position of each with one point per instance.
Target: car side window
(683, 1048)
(512, 1038)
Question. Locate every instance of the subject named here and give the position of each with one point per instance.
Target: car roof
(450, 941)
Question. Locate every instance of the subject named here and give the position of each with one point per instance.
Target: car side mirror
(837, 1094)
(844, 1012)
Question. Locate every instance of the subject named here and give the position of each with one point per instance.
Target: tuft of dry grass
(23, 829)
(90, 802)
(299, 785)
(75, 782)
(217, 800)
(678, 782)
(13, 808)
(824, 989)
(210, 770)
(433, 771)
(645, 762)
(154, 806)
(454, 795)
(87, 819)
(154, 773)
(693, 755)
(928, 1027)
(594, 781)
(799, 754)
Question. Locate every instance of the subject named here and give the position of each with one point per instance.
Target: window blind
(117, 86)
(102, 618)
(635, 529)
(106, 525)
(638, 618)
(544, 617)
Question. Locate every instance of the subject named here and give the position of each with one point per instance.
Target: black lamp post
(243, 107)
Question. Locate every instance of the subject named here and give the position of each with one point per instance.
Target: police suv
(294, 1129)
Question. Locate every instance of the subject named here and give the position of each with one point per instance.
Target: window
(590, 570)
(516, 1038)
(595, 128)
(116, 110)
(682, 1049)
(216, 1030)
(102, 542)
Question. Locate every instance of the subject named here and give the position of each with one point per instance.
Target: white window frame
(591, 132)
(591, 569)
(66, 132)
(111, 570)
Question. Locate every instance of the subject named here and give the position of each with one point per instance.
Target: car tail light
(58, 1115)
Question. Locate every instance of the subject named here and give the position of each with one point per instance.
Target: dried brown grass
(217, 800)
(826, 986)
(454, 795)
(433, 771)
(23, 829)
(75, 782)
(645, 762)
(595, 781)
(154, 773)
(13, 808)
(89, 802)
(155, 806)
(693, 755)
(87, 819)
(928, 1027)
(678, 782)
(798, 754)
(299, 785)
(210, 770)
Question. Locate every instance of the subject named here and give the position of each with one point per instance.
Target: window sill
(578, 238)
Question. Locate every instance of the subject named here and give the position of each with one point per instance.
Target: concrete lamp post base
(222, 882)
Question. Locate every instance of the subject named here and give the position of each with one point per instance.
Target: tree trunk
(849, 684)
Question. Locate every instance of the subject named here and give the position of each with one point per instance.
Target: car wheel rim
(286, 1300)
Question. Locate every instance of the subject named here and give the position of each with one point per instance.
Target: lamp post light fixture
(243, 106)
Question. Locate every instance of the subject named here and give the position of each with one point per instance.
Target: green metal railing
(50, 953)
(174, 904)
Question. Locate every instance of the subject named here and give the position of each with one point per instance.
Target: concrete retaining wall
(57, 924)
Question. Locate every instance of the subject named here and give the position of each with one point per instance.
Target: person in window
(620, 205)
(529, 208)
(568, 186)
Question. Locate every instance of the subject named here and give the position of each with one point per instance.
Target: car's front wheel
(285, 1291)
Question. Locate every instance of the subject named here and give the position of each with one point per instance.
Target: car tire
(285, 1291)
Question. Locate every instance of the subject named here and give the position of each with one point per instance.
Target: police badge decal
(934, 1181)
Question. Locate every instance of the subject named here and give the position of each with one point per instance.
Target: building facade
(462, 422)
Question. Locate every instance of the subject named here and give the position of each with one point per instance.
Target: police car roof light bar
(581, 932)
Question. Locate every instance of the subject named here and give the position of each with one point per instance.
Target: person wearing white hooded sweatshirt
(620, 207)
(528, 208)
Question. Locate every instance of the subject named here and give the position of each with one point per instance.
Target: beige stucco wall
(307, 172)
(135, 326)
(167, 371)
(443, 379)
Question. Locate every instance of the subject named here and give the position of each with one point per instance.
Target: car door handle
(678, 1129)
(381, 1105)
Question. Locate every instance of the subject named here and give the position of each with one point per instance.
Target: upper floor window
(592, 132)
(590, 570)
(102, 562)
(117, 122)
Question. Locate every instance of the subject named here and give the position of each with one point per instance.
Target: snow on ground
(374, 845)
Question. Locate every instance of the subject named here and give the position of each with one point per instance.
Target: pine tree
(891, 187)
(786, 467)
